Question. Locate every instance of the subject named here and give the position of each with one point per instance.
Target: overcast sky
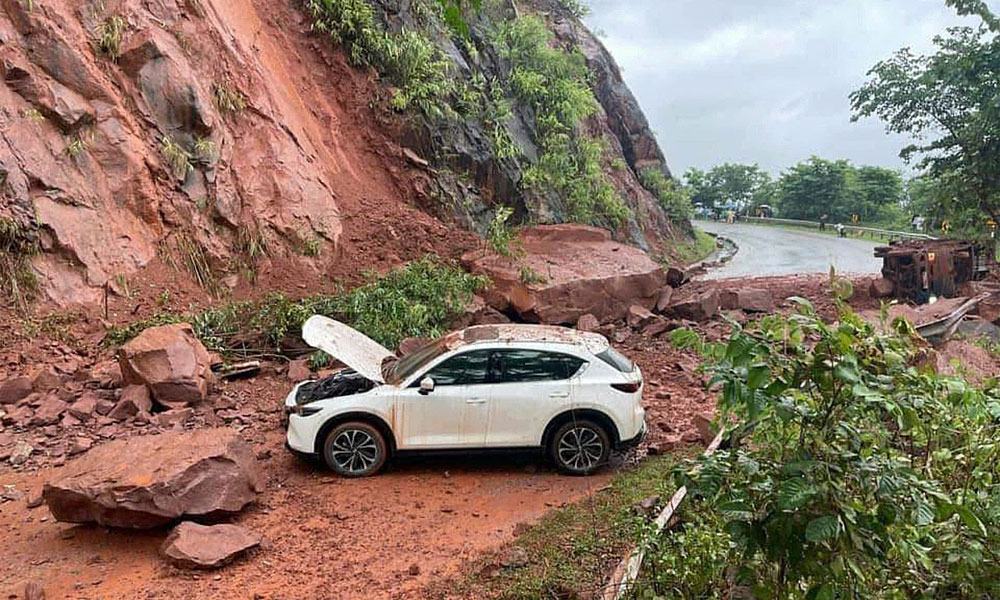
(762, 81)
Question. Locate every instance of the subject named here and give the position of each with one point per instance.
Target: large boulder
(150, 481)
(194, 546)
(171, 361)
(747, 299)
(699, 307)
(577, 270)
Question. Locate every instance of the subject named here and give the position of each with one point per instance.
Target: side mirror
(426, 385)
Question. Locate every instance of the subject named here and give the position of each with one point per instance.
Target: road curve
(768, 250)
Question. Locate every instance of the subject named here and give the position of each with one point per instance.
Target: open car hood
(346, 344)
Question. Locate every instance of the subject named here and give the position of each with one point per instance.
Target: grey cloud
(765, 81)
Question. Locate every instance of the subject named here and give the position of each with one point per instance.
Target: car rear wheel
(579, 447)
(354, 449)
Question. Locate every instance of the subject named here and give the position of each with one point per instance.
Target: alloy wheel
(580, 449)
(354, 451)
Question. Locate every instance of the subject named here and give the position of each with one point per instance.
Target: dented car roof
(593, 342)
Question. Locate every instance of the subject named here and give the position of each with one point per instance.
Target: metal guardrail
(874, 231)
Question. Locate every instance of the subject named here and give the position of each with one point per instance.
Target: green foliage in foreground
(417, 300)
(853, 473)
(408, 60)
(554, 83)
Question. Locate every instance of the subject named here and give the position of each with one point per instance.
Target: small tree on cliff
(949, 102)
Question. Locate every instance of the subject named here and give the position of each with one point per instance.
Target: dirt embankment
(221, 136)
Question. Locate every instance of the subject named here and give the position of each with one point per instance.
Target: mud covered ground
(424, 520)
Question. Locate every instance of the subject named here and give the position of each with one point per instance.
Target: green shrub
(554, 82)
(675, 199)
(575, 7)
(417, 300)
(408, 60)
(109, 36)
(499, 236)
(228, 99)
(851, 472)
(18, 244)
(177, 157)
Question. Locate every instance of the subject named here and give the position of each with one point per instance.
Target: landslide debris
(149, 481)
(194, 546)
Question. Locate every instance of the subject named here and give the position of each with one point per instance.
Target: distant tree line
(815, 188)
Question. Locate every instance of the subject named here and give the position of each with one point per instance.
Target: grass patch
(109, 36)
(573, 549)
(675, 200)
(700, 248)
(228, 98)
(417, 300)
(18, 281)
(177, 157)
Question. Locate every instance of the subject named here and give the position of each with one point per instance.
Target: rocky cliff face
(214, 134)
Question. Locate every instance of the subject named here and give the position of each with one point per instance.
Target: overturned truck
(919, 269)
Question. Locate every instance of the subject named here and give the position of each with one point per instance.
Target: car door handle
(476, 401)
(559, 395)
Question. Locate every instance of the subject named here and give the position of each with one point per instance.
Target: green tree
(818, 187)
(728, 182)
(948, 103)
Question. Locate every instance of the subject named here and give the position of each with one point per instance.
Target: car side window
(535, 365)
(469, 368)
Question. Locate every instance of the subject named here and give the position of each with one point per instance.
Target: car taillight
(628, 388)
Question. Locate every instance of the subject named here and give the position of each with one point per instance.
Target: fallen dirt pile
(568, 271)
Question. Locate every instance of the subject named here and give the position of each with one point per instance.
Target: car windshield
(395, 372)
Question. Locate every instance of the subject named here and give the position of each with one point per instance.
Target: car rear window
(617, 360)
(534, 365)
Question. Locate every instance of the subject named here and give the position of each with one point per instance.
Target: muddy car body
(487, 387)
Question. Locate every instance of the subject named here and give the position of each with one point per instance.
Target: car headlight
(303, 410)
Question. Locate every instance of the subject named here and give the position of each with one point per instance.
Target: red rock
(701, 307)
(747, 299)
(149, 481)
(14, 390)
(85, 406)
(298, 370)
(49, 410)
(409, 345)
(104, 406)
(585, 272)
(638, 317)
(19, 415)
(80, 445)
(109, 375)
(704, 422)
(171, 361)
(663, 300)
(881, 288)
(989, 309)
(194, 546)
(691, 437)
(587, 322)
(169, 418)
(47, 380)
(134, 400)
(69, 421)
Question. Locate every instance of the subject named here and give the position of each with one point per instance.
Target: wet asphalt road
(769, 250)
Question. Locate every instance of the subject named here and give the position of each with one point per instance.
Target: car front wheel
(579, 447)
(354, 449)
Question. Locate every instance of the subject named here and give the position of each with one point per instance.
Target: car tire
(579, 447)
(355, 449)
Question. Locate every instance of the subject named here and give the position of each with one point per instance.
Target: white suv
(491, 386)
